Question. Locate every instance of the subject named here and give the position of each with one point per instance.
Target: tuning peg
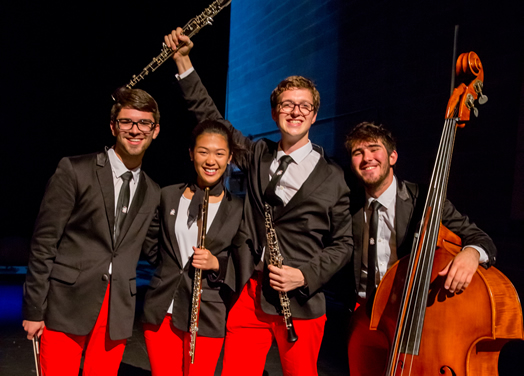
(475, 111)
(482, 98)
(478, 88)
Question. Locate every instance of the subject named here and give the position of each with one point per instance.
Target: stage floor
(16, 352)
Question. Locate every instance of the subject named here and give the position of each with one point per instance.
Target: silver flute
(36, 352)
(276, 259)
(191, 28)
(197, 281)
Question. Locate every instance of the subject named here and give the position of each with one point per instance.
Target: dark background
(61, 62)
(60, 65)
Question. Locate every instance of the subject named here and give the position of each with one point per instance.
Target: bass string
(436, 201)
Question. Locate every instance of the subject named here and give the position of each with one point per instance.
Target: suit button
(105, 277)
(181, 271)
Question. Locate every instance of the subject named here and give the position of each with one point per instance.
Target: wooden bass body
(462, 333)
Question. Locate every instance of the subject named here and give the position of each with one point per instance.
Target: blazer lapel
(136, 204)
(265, 164)
(318, 176)
(219, 221)
(105, 179)
(358, 238)
(403, 214)
(170, 214)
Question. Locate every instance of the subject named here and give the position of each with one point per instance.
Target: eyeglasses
(304, 108)
(144, 125)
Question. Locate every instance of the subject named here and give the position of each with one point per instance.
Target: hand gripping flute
(36, 352)
(191, 28)
(197, 281)
(276, 259)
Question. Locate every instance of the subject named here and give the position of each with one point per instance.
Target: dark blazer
(409, 208)
(313, 229)
(173, 281)
(72, 247)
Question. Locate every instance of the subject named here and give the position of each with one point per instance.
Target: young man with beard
(400, 205)
(309, 201)
(81, 280)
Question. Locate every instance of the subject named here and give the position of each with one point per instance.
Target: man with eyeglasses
(309, 202)
(80, 287)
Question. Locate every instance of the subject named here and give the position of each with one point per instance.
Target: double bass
(430, 330)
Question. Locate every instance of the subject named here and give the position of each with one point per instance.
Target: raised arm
(196, 96)
(198, 100)
(181, 57)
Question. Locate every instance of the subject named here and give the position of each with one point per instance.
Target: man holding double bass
(385, 218)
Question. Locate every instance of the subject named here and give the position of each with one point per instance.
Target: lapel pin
(172, 212)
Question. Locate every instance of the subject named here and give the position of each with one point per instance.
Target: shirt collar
(387, 198)
(298, 155)
(119, 168)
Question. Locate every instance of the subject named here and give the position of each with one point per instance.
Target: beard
(375, 183)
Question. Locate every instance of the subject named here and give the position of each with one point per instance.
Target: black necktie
(198, 198)
(270, 195)
(372, 249)
(122, 203)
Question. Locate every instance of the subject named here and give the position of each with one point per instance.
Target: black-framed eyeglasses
(144, 125)
(288, 107)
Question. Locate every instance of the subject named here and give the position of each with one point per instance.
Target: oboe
(197, 281)
(190, 29)
(276, 259)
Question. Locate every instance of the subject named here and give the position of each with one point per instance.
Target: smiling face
(132, 144)
(294, 126)
(373, 166)
(210, 156)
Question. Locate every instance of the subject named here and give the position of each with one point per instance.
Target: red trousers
(250, 333)
(368, 350)
(168, 350)
(61, 353)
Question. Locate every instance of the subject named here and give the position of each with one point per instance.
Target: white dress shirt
(118, 169)
(304, 161)
(386, 235)
(181, 76)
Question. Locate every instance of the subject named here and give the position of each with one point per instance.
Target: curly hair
(295, 82)
(370, 132)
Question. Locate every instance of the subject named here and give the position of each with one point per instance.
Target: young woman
(167, 307)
